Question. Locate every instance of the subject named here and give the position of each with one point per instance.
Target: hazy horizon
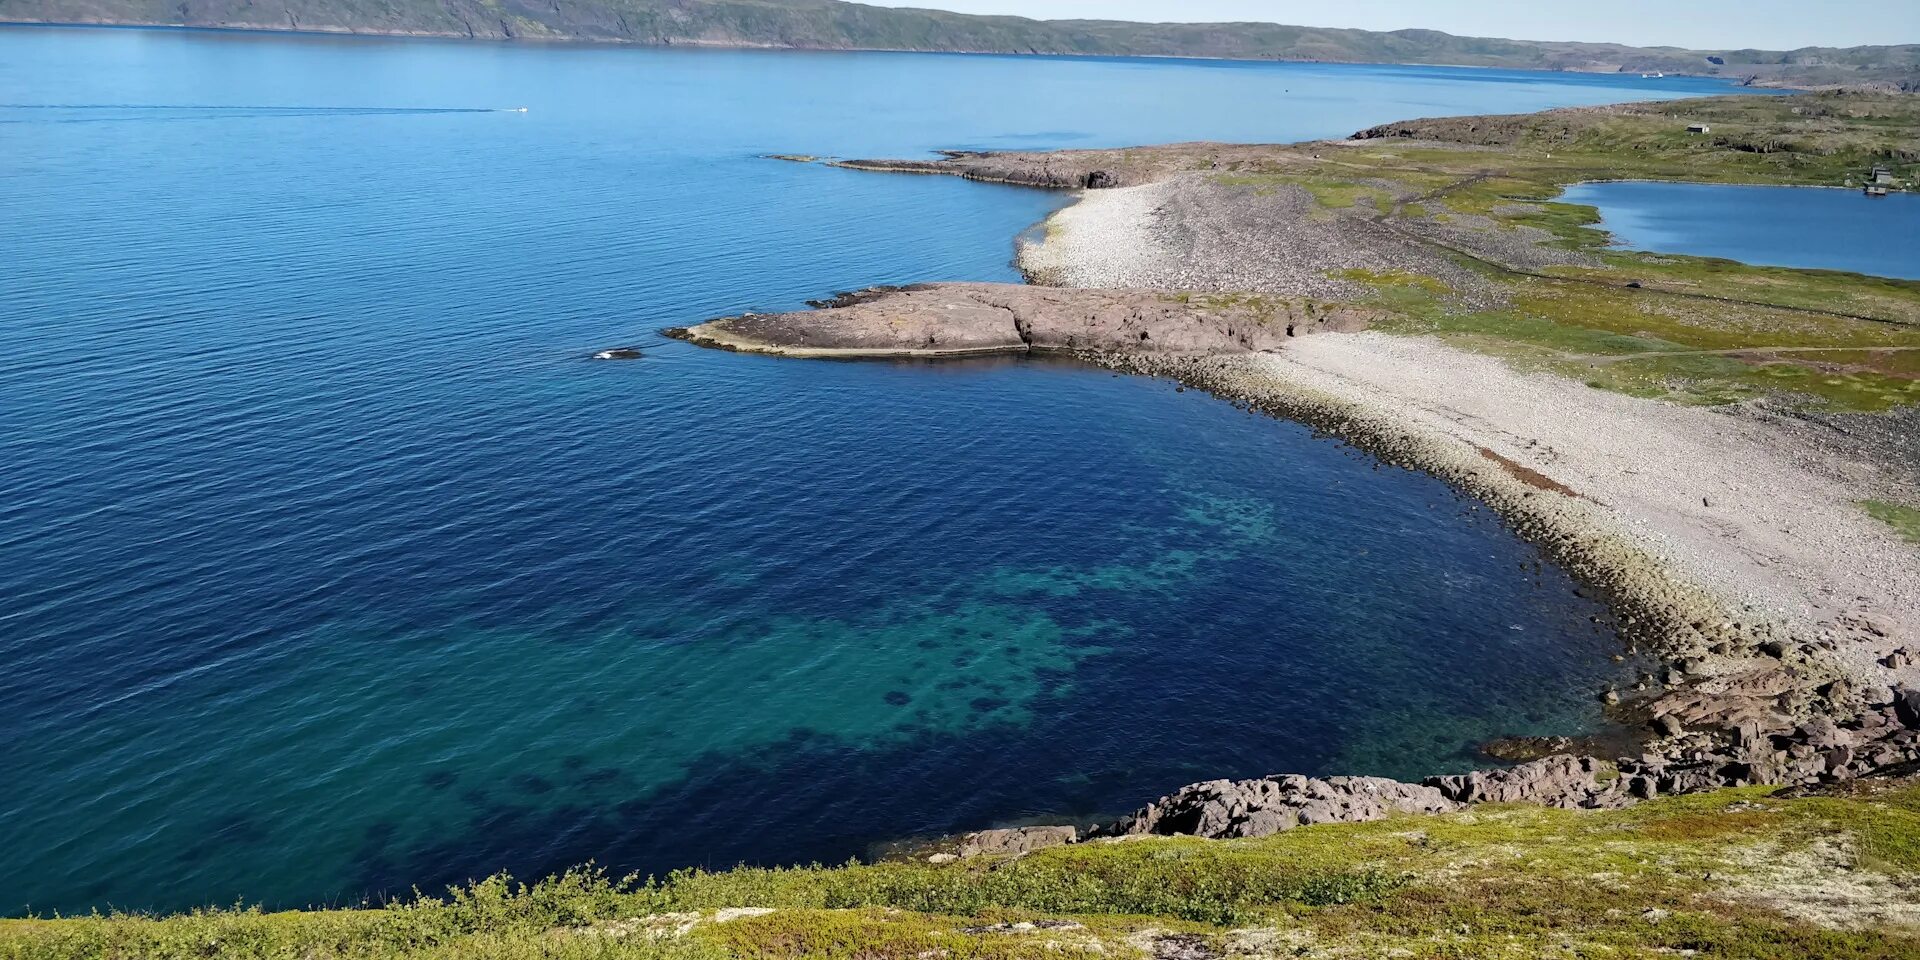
(1696, 24)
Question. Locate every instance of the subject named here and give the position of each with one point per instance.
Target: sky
(1700, 24)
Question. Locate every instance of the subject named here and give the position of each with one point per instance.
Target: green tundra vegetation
(834, 24)
(1751, 873)
(1902, 518)
(1690, 329)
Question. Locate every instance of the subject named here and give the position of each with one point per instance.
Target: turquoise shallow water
(1805, 227)
(330, 565)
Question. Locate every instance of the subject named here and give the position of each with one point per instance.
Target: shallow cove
(1807, 227)
(332, 566)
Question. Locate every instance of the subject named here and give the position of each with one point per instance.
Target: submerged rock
(619, 353)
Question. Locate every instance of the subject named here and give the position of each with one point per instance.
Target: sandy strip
(1728, 505)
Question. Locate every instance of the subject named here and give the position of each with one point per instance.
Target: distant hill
(836, 25)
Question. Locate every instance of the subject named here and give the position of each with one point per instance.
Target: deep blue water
(330, 565)
(1805, 227)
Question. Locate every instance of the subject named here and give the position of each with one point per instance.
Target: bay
(331, 565)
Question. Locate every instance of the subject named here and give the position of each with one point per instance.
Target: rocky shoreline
(1742, 704)
(1783, 621)
(1734, 705)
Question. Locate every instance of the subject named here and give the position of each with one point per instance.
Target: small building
(1699, 128)
(1882, 176)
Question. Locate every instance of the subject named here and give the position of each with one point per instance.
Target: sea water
(332, 565)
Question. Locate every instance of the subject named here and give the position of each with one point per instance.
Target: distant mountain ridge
(838, 25)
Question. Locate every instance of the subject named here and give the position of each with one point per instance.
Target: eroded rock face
(1568, 782)
(966, 318)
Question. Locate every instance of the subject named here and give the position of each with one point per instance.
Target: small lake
(331, 565)
(1806, 227)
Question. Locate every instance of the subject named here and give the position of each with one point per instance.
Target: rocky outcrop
(1090, 169)
(1258, 808)
(1566, 782)
(1816, 751)
(947, 319)
(1014, 841)
(1059, 170)
(1884, 737)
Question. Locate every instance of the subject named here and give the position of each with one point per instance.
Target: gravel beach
(1732, 501)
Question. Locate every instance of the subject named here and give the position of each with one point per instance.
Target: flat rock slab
(1015, 841)
(957, 319)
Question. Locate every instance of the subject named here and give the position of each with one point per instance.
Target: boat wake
(125, 112)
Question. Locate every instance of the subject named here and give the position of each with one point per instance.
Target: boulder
(1822, 734)
(1906, 707)
(1689, 778)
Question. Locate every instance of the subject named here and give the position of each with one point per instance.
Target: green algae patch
(1725, 874)
(1208, 529)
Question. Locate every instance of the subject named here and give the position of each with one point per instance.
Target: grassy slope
(1736, 874)
(835, 24)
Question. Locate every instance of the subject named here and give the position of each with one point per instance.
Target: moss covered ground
(1740, 873)
(1691, 329)
(1902, 518)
